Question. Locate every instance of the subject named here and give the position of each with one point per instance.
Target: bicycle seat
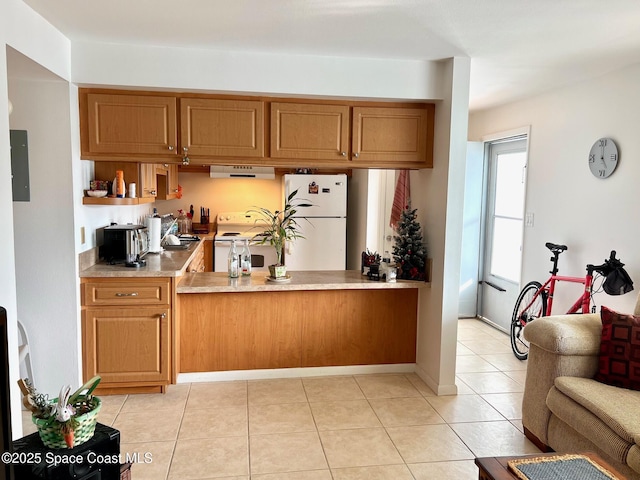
(555, 248)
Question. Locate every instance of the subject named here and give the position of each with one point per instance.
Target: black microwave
(124, 243)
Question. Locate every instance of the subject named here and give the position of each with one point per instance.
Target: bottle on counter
(233, 260)
(184, 222)
(245, 259)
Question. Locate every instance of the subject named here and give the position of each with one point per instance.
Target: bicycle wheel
(526, 310)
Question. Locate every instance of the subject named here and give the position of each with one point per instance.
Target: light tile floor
(372, 427)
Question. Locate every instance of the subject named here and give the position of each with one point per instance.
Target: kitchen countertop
(169, 263)
(209, 282)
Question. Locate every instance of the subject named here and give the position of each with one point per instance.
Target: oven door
(261, 256)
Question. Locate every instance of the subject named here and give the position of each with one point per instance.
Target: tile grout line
(246, 386)
(175, 443)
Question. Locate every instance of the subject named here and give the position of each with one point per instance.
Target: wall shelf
(116, 201)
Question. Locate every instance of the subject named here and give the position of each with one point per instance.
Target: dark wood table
(496, 468)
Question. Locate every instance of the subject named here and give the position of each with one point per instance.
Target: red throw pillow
(619, 361)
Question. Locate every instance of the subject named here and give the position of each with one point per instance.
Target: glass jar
(184, 223)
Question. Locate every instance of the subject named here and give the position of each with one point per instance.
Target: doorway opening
(494, 220)
(502, 230)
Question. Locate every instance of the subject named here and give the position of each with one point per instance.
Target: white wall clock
(603, 158)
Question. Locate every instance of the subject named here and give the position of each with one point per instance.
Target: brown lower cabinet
(126, 333)
(129, 329)
(259, 330)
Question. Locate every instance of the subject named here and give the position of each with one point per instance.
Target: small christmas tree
(409, 253)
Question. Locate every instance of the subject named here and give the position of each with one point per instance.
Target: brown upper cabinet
(213, 127)
(301, 130)
(164, 127)
(392, 135)
(130, 124)
(381, 136)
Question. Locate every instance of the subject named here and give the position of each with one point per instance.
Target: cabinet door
(393, 135)
(131, 124)
(214, 127)
(126, 344)
(309, 131)
(148, 181)
(167, 181)
(172, 181)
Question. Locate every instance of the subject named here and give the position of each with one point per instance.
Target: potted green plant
(279, 227)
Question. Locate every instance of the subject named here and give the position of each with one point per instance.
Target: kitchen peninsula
(148, 327)
(318, 319)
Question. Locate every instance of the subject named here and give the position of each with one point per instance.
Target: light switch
(528, 220)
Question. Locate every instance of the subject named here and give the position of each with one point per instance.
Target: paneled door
(127, 344)
(131, 124)
(301, 130)
(504, 223)
(391, 135)
(218, 127)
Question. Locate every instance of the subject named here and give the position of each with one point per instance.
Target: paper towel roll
(154, 226)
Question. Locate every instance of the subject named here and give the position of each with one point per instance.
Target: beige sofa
(564, 409)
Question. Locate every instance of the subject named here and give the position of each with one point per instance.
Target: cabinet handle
(185, 149)
(163, 316)
(132, 294)
(356, 155)
(344, 154)
(153, 192)
(171, 148)
(175, 190)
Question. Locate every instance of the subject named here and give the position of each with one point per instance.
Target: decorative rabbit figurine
(64, 411)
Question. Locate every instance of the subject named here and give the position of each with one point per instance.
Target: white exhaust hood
(242, 171)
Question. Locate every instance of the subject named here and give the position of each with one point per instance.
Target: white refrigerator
(323, 226)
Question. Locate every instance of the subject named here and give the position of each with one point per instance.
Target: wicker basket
(49, 430)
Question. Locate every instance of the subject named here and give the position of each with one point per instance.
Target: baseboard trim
(230, 375)
(437, 388)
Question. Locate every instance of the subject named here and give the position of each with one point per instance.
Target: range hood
(242, 171)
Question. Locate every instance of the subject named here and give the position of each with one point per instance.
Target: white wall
(571, 206)
(438, 194)
(215, 70)
(223, 194)
(46, 270)
(27, 32)
(472, 222)
(357, 208)
(8, 297)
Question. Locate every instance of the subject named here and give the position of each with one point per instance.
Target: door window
(507, 218)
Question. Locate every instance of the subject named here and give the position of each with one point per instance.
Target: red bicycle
(536, 299)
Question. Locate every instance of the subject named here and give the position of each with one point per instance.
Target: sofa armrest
(561, 345)
(566, 334)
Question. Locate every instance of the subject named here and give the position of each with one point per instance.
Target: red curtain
(401, 197)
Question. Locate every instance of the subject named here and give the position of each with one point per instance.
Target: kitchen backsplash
(223, 195)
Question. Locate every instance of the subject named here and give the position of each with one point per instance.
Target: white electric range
(239, 226)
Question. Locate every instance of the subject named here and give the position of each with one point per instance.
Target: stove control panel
(237, 218)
